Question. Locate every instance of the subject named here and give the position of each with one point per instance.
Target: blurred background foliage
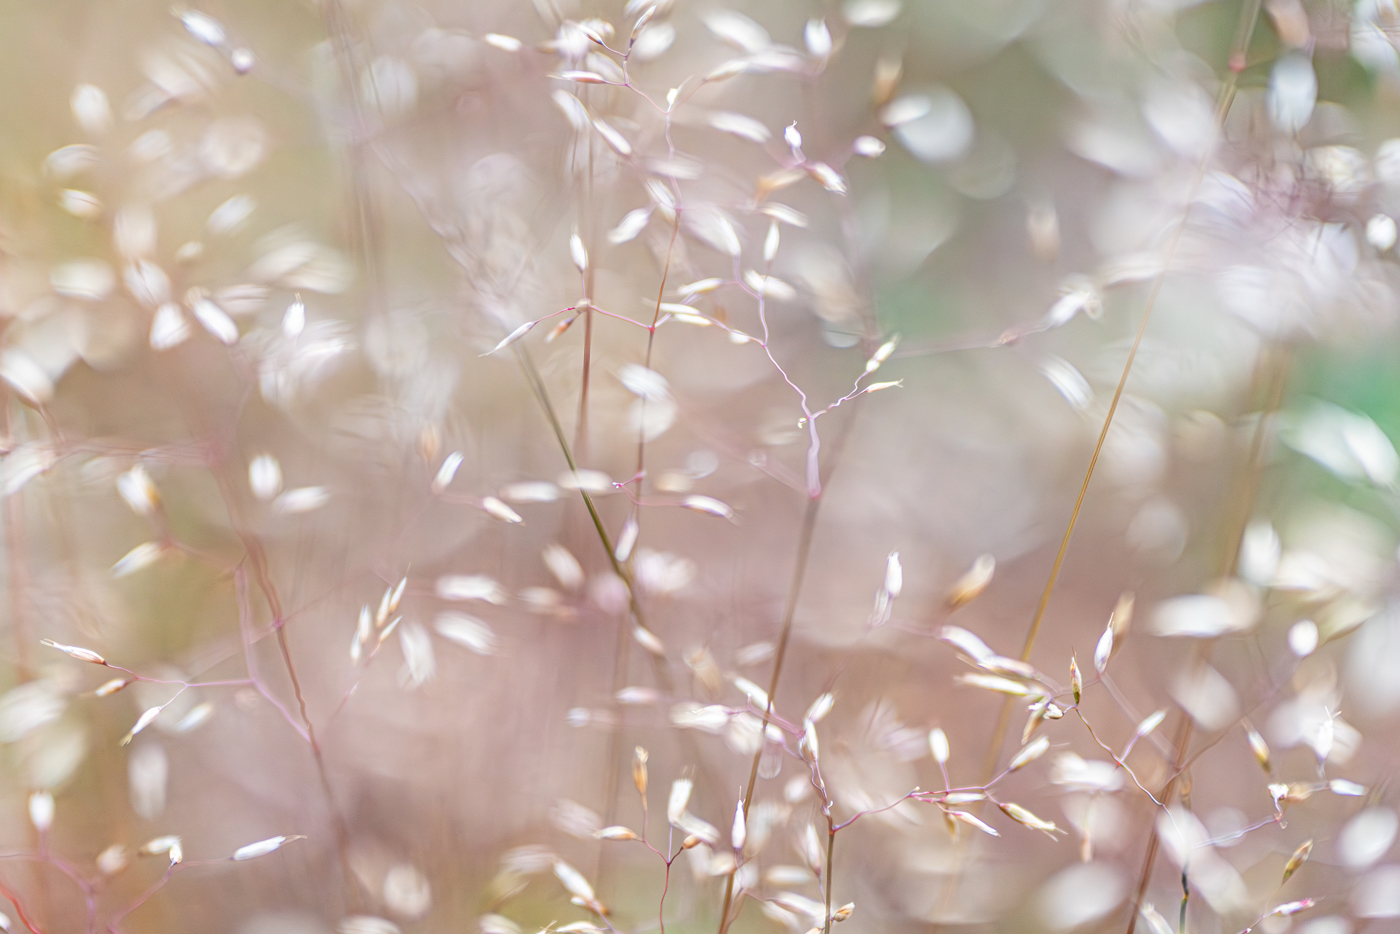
(254, 260)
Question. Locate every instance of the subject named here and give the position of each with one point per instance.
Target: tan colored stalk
(1227, 96)
(799, 571)
(1254, 472)
(624, 643)
(1249, 16)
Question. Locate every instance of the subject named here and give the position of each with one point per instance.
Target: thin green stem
(537, 386)
(799, 572)
(830, 850)
(622, 657)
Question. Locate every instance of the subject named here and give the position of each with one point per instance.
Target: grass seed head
(1103, 651)
(639, 771)
(41, 810)
(972, 821)
(1259, 748)
(972, 583)
(1024, 817)
(81, 654)
(1299, 857)
(1122, 617)
(938, 745)
(111, 687)
(1029, 754)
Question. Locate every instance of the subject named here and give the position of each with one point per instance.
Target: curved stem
(19, 910)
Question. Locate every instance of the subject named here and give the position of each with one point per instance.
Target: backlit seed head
(81, 654)
(971, 584)
(159, 845)
(1259, 748)
(639, 771)
(1029, 754)
(1122, 617)
(938, 745)
(113, 859)
(41, 810)
(1104, 650)
(137, 488)
(1299, 857)
(111, 687)
(1151, 722)
(265, 477)
(578, 252)
(615, 833)
(1024, 817)
(820, 707)
(680, 797)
